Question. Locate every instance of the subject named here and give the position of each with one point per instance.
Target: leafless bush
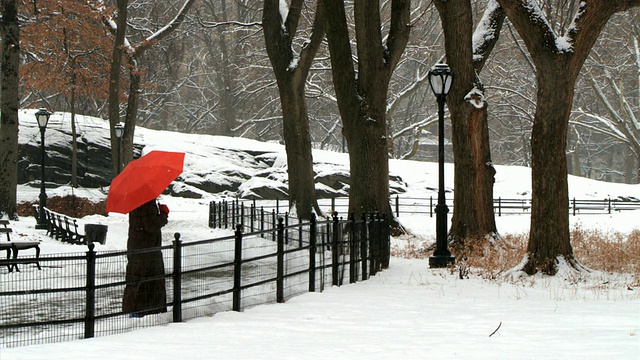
(611, 252)
(69, 205)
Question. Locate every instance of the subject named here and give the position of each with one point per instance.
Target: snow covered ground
(406, 312)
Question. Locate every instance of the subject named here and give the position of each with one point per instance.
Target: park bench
(13, 248)
(65, 228)
(62, 227)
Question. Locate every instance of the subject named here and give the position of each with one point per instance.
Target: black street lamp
(440, 78)
(119, 130)
(43, 119)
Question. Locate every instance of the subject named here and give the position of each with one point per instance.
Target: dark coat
(141, 295)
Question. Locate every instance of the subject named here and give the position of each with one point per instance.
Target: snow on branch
(540, 36)
(476, 98)
(486, 30)
(172, 25)
(606, 127)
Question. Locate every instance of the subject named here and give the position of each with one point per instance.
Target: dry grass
(611, 252)
(69, 205)
(491, 258)
(413, 248)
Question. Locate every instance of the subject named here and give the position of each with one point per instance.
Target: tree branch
(487, 34)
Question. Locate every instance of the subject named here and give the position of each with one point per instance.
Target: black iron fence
(79, 295)
(258, 214)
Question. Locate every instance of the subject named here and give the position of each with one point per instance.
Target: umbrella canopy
(142, 180)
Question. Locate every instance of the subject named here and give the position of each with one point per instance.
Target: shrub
(69, 205)
(612, 252)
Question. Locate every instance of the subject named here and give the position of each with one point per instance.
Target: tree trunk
(135, 78)
(549, 236)
(227, 74)
(114, 78)
(9, 82)
(74, 139)
(368, 161)
(473, 216)
(558, 64)
(131, 114)
(291, 77)
(295, 121)
(362, 99)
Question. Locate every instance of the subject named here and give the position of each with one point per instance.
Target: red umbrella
(142, 180)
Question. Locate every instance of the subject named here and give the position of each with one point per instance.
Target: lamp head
(440, 78)
(119, 130)
(43, 117)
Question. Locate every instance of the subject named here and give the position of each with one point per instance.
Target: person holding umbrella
(135, 191)
(145, 292)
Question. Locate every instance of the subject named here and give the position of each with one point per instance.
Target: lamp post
(440, 78)
(43, 119)
(119, 130)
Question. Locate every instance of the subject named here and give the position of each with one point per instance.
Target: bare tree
(474, 172)
(558, 60)
(68, 64)
(362, 99)
(133, 54)
(291, 71)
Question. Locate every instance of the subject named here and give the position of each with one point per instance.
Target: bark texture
(557, 69)
(291, 78)
(9, 81)
(362, 99)
(473, 216)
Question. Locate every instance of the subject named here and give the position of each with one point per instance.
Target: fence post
(273, 224)
(212, 214)
(286, 231)
(430, 206)
(233, 212)
(364, 239)
(312, 253)
(333, 205)
(280, 266)
(385, 241)
(334, 250)
(242, 214)
(300, 232)
(219, 214)
(374, 249)
(499, 206)
(90, 305)
(574, 206)
(252, 214)
(262, 220)
(237, 269)
(352, 248)
(397, 206)
(177, 278)
(226, 214)
(609, 200)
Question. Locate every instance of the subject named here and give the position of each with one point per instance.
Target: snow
(408, 311)
(563, 44)
(283, 7)
(476, 98)
(484, 32)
